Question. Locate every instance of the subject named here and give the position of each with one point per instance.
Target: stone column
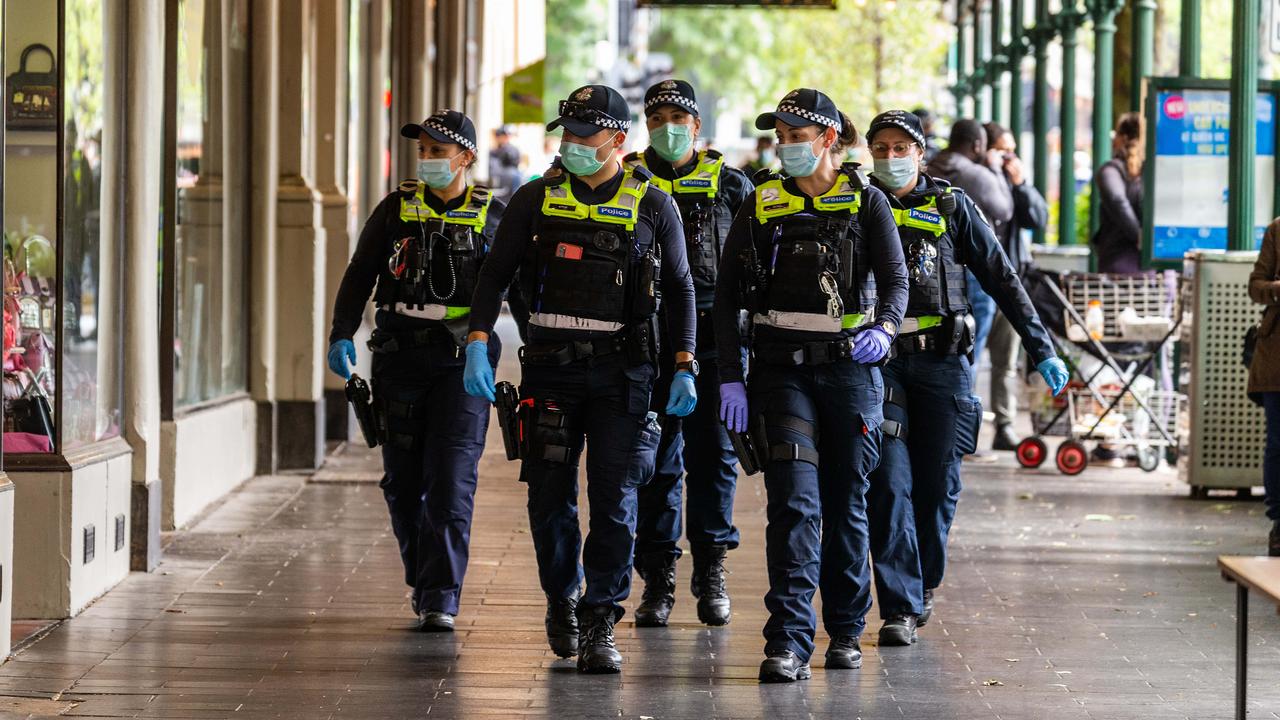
(264, 119)
(144, 89)
(331, 180)
(412, 79)
(300, 238)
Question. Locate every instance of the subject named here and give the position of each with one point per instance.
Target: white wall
(6, 563)
(205, 455)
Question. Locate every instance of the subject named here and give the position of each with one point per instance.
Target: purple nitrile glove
(733, 406)
(870, 346)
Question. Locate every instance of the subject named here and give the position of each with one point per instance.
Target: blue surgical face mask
(437, 173)
(894, 172)
(798, 159)
(766, 156)
(581, 159)
(671, 141)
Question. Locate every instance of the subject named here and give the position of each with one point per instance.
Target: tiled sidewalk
(1094, 597)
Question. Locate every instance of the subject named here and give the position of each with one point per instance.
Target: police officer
(423, 247)
(708, 194)
(815, 260)
(595, 246)
(931, 417)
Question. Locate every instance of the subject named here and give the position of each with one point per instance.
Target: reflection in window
(211, 323)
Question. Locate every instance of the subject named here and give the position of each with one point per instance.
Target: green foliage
(1082, 214)
(573, 29)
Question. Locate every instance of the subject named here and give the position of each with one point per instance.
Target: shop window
(62, 152)
(207, 282)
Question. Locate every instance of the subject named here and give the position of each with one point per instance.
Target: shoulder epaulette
(409, 185)
(762, 176)
(633, 156)
(641, 172)
(713, 153)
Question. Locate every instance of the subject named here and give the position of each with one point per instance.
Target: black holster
(508, 405)
(956, 335)
(361, 399)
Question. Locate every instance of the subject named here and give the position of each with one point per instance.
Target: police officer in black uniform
(423, 247)
(931, 417)
(597, 248)
(814, 258)
(708, 193)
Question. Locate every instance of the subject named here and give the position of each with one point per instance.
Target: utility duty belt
(638, 343)
(819, 352)
(952, 334)
(436, 338)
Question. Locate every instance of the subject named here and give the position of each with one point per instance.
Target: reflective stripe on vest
(472, 213)
(916, 324)
(810, 322)
(773, 200)
(569, 322)
(704, 180)
(622, 209)
(926, 217)
(428, 312)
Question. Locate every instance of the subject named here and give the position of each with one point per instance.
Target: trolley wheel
(1199, 492)
(1148, 459)
(1072, 457)
(1244, 493)
(1031, 452)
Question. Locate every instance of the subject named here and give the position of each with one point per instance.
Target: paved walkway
(1093, 597)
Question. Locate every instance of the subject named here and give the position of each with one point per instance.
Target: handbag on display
(32, 97)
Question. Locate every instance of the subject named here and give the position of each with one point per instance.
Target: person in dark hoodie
(967, 165)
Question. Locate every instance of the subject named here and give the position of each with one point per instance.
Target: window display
(62, 367)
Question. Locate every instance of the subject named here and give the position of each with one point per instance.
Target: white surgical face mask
(895, 172)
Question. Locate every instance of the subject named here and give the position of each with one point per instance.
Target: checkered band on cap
(609, 123)
(456, 137)
(809, 115)
(666, 98)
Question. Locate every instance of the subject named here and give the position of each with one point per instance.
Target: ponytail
(846, 136)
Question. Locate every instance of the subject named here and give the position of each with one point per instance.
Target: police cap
(671, 92)
(901, 119)
(592, 108)
(446, 126)
(801, 108)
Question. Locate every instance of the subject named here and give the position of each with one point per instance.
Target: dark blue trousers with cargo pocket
(933, 422)
(600, 402)
(816, 538)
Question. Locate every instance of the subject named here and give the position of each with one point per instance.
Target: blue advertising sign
(1190, 189)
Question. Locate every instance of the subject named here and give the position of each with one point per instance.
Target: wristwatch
(689, 366)
(889, 327)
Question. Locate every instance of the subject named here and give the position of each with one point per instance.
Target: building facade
(182, 185)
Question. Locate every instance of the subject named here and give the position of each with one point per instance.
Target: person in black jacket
(1118, 241)
(813, 256)
(931, 416)
(597, 247)
(708, 193)
(423, 247)
(1030, 212)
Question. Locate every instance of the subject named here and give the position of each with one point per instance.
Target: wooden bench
(1262, 575)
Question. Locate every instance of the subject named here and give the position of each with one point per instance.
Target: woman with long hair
(1118, 183)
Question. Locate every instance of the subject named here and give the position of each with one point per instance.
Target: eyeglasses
(898, 149)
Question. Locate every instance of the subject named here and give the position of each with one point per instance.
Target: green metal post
(1041, 34)
(1103, 13)
(1017, 51)
(1189, 50)
(1069, 21)
(996, 62)
(981, 54)
(1144, 48)
(962, 57)
(1242, 146)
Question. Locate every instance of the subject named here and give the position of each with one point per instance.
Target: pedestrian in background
(504, 164)
(928, 121)
(1030, 212)
(764, 159)
(1264, 371)
(1118, 242)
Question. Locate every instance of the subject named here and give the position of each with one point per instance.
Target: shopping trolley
(1141, 314)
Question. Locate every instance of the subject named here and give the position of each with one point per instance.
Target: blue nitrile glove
(342, 354)
(733, 406)
(870, 346)
(477, 378)
(684, 396)
(1054, 372)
